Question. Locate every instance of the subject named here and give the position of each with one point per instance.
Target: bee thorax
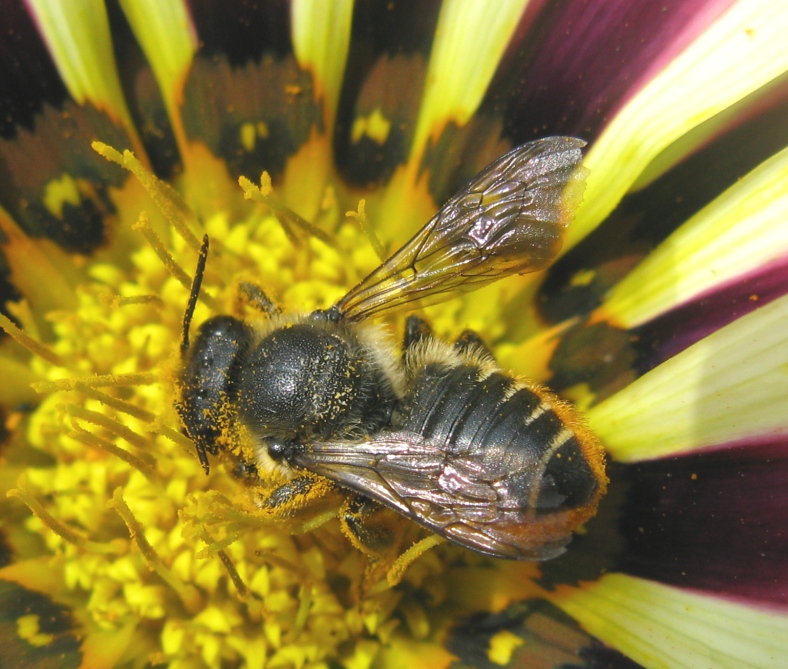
(304, 381)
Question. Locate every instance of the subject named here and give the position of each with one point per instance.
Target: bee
(435, 431)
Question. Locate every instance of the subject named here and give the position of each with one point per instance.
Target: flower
(663, 320)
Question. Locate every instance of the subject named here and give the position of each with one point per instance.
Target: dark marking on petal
(242, 31)
(461, 152)
(599, 355)
(153, 125)
(28, 77)
(54, 185)
(549, 639)
(389, 48)
(50, 636)
(7, 555)
(8, 293)
(374, 138)
(402, 27)
(255, 116)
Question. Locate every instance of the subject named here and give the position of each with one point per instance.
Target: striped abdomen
(518, 436)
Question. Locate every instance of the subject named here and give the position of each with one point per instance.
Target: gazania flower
(126, 130)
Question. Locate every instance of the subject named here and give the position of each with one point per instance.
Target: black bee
(435, 431)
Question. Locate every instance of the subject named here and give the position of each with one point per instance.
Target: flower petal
(459, 74)
(740, 232)
(321, 39)
(79, 41)
(739, 53)
(732, 385)
(165, 33)
(661, 626)
(529, 633)
(711, 521)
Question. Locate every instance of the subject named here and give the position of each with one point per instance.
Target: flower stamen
(61, 529)
(188, 594)
(91, 440)
(25, 340)
(172, 207)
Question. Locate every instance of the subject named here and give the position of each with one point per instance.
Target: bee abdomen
(517, 436)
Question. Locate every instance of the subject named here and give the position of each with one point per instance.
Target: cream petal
(729, 386)
(663, 626)
(742, 230)
(739, 53)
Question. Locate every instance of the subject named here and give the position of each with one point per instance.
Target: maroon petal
(585, 59)
(713, 521)
(681, 327)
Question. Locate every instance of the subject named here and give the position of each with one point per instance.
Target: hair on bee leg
(251, 294)
(364, 523)
(469, 341)
(416, 330)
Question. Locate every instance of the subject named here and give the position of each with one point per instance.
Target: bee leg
(400, 566)
(416, 330)
(246, 472)
(305, 502)
(369, 526)
(469, 341)
(253, 295)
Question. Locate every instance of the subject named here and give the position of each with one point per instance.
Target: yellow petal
(729, 386)
(77, 35)
(740, 52)
(321, 39)
(165, 33)
(661, 626)
(469, 41)
(740, 231)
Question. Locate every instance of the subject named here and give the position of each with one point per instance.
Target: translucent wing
(467, 498)
(509, 219)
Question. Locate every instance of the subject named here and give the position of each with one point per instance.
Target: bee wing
(509, 219)
(451, 494)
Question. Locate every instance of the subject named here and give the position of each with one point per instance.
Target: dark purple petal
(714, 521)
(580, 60)
(681, 327)
(28, 78)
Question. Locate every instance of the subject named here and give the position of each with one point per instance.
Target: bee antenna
(194, 294)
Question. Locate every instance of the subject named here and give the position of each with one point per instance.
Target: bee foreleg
(253, 295)
(304, 502)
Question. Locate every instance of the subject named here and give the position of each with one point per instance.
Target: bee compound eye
(207, 378)
(278, 449)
